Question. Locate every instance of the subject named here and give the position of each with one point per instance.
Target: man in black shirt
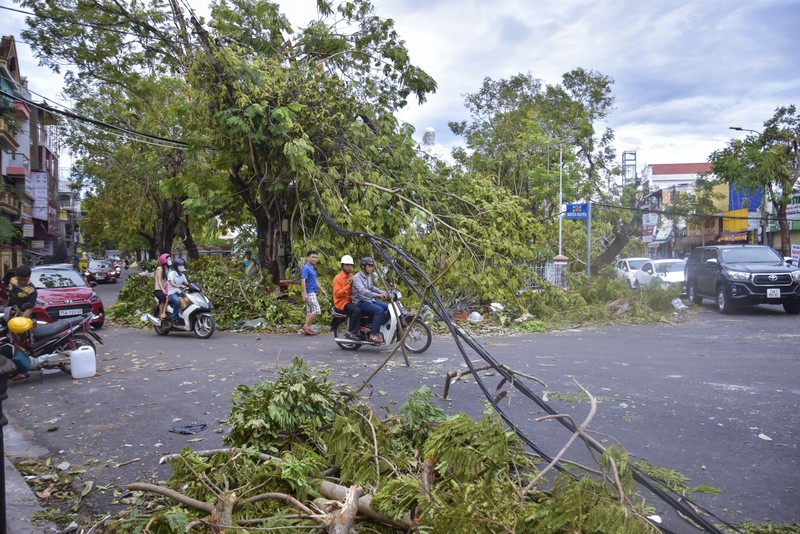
(21, 294)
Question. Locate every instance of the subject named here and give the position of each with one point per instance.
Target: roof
(681, 168)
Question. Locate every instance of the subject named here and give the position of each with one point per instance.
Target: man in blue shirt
(308, 282)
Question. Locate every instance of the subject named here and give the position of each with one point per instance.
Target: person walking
(342, 287)
(308, 282)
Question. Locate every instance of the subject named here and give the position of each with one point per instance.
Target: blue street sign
(577, 211)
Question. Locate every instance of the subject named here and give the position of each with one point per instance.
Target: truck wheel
(792, 308)
(724, 304)
(693, 296)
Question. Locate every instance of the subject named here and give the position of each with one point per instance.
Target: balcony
(18, 165)
(7, 136)
(10, 204)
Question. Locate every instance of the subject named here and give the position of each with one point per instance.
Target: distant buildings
(739, 220)
(36, 211)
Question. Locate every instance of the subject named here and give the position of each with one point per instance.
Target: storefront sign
(741, 237)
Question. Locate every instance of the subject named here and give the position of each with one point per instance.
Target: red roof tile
(681, 168)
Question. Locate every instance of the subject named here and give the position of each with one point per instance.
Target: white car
(664, 272)
(627, 267)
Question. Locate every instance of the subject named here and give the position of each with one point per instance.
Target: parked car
(736, 275)
(667, 272)
(626, 268)
(101, 271)
(62, 292)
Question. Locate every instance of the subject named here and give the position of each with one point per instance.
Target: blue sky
(684, 71)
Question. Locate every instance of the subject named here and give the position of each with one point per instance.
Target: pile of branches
(235, 297)
(305, 453)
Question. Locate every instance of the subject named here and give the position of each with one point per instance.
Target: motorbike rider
(342, 289)
(364, 294)
(176, 283)
(160, 292)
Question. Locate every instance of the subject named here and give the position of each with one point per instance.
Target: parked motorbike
(48, 345)
(396, 323)
(195, 315)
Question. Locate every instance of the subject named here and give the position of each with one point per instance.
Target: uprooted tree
(271, 116)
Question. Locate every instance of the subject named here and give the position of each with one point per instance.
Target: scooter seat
(51, 329)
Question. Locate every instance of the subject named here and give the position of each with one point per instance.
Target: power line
(172, 143)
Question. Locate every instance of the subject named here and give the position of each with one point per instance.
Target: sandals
(20, 376)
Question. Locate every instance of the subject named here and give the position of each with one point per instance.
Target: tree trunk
(786, 244)
(621, 237)
(188, 240)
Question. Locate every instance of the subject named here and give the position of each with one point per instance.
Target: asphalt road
(714, 397)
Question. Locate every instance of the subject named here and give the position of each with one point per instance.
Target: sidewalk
(21, 502)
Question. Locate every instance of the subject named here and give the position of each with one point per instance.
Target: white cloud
(684, 70)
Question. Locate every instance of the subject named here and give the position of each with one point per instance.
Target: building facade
(30, 200)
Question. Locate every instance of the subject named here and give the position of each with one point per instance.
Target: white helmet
(347, 260)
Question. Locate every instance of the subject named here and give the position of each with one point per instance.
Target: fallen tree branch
(579, 432)
(329, 490)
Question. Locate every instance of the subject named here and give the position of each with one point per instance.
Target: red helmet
(163, 258)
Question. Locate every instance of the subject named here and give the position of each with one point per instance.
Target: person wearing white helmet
(342, 287)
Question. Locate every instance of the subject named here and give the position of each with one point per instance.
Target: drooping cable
(432, 299)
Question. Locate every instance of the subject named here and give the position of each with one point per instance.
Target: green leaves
(271, 415)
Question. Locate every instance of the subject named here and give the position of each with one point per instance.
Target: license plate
(65, 313)
(101, 276)
(774, 293)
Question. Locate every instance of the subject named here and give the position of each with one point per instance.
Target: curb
(21, 501)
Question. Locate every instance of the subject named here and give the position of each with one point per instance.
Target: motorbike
(395, 325)
(50, 344)
(195, 315)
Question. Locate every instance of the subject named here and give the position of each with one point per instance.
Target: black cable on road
(432, 299)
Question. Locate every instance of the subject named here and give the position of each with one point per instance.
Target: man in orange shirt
(341, 296)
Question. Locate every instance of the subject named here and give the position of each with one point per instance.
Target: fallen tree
(306, 453)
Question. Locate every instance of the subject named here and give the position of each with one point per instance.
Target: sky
(683, 71)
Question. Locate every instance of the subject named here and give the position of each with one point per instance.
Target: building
(29, 147)
(738, 219)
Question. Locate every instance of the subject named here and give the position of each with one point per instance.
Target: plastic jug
(82, 362)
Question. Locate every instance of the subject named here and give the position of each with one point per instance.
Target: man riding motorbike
(363, 295)
(176, 283)
(342, 289)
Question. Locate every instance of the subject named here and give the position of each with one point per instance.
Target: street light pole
(764, 201)
(560, 193)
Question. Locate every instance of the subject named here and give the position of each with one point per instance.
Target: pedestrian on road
(308, 281)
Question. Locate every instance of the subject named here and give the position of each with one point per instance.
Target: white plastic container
(82, 362)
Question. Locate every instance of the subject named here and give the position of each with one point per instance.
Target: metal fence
(550, 272)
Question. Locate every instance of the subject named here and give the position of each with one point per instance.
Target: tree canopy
(768, 161)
